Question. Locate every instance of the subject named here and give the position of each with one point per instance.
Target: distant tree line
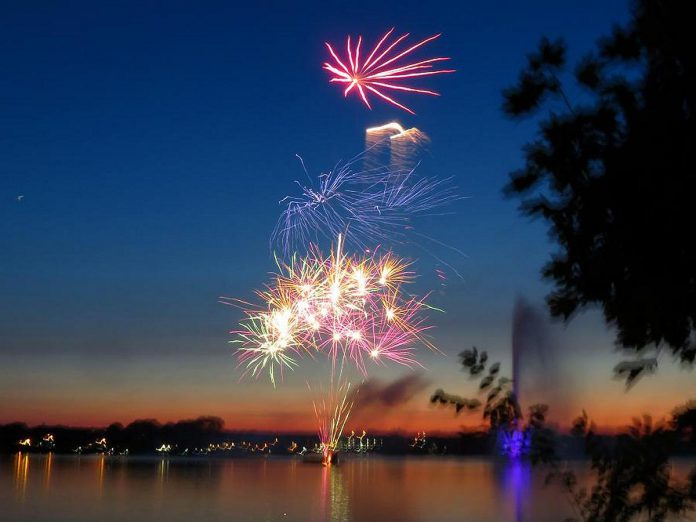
(144, 436)
(140, 436)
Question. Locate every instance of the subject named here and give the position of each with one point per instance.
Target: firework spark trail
(350, 308)
(385, 70)
(346, 307)
(332, 414)
(375, 205)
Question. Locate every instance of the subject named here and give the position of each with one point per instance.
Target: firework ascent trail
(332, 412)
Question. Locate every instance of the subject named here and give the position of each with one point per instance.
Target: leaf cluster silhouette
(500, 408)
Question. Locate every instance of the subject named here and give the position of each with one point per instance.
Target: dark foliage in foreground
(615, 177)
(684, 422)
(634, 478)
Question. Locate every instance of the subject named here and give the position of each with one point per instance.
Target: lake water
(96, 488)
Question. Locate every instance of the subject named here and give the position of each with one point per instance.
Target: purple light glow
(513, 443)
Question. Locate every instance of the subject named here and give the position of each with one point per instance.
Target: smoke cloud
(377, 393)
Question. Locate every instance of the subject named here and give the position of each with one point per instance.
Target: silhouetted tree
(115, 435)
(542, 444)
(633, 475)
(684, 421)
(143, 435)
(11, 433)
(193, 432)
(615, 177)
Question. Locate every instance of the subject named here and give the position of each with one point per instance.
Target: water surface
(97, 488)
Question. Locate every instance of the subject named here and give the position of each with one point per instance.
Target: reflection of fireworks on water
(332, 413)
(382, 69)
(375, 205)
(346, 307)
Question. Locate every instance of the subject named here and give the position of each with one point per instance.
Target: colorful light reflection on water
(89, 487)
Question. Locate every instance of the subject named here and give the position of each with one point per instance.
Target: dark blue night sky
(152, 142)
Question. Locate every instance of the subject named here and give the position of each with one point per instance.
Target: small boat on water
(318, 458)
(313, 458)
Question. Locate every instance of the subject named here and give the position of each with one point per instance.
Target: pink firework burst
(384, 68)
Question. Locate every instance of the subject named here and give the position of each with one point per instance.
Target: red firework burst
(382, 69)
